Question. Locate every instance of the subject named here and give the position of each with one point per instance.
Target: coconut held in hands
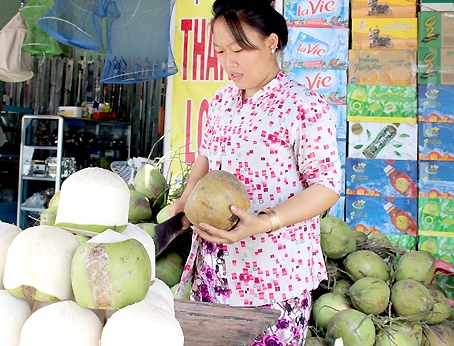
(212, 197)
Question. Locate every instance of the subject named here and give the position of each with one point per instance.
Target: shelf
(10, 156)
(41, 147)
(35, 210)
(43, 178)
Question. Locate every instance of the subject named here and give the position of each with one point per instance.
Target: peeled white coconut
(110, 271)
(13, 314)
(7, 234)
(133, 231)
(142, 324)
(63, 323)
(156, 299)
(38, 264)
(160, 287)
(93, 199)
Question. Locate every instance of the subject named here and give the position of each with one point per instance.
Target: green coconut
(212, 197)
(337, 238)
(413, 330)
(93, 199)
(47, 217)
(441, 310)
(392, 337)
(360, 237)
(54, 200)
(150, 182)
(342, 287)
(326, 306)
(416, 265)
(362, 263)
(163, 214)
(412, 300)
(169, 267)
(379, 239)
(354, 327)
(314, 341)
(139, 207)
(7, 234)
(110, 271)
(148, 227)
(370, 295)
(441, 334)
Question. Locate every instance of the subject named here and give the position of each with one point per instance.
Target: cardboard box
(382, 215)
(342, 149)
(340, 114)
(402, 241)
(435, 103)
(385, 178)
(378, 67)
(338, 209)
(381, 103)
(436, 216)
(436, 66)
(316, 48)
(436, 179)
(385, 33)
(387, 9)
(317, 13)
(443, 5)
(330, 83)
(446, 282)
(436, 29)
(389, 141)
(435, 141)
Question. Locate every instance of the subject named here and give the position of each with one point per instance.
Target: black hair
(260, 15)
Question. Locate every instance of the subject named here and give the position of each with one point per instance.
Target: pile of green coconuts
(89, 275)
(377, 294)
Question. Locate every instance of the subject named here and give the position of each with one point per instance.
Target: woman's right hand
(175, 208)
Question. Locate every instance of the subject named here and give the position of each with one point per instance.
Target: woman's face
(250, 70)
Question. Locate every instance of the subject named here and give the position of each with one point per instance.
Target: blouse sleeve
(314, 139)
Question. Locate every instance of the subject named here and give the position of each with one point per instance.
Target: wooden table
(219, 324)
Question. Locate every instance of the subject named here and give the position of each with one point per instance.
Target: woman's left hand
(248, 225)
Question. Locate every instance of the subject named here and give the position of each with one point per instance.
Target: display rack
(46, 157)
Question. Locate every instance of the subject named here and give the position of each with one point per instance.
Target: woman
(278, 138)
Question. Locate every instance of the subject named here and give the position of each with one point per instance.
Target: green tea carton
(436, 216)
(384, 33)
(407, 242)
(389, 141)
(379, 67)
(386, 9)
(436, 29)
(436, 66)
(381, 103)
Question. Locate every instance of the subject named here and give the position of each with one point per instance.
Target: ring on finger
(222, 241)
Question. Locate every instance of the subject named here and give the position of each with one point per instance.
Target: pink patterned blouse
(277, 142)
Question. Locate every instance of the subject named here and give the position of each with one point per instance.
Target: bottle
(401, 182)
(383, 138)
(401, 219)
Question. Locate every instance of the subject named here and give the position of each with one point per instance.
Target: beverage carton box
(440, 247)
(381, 215)
(402, 241)
(342, 189)
(340, 115)
(436, 216)
(386, 178)
(330, 83)
(435, 103)
(342, 149)
(381, 103)
(436, 179)
(389, 141)
(387, 9)
(436, 29)
(435, 141)
(317, 13)
(446, 282)
(436, 66)
(316, 48)
(385, 33)
(338, 209)
(443, 6)
(378, 67)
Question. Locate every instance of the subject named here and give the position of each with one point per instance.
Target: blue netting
(37, 42)
(76, 23)
(138, 41)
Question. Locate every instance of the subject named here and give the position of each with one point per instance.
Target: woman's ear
(272, 41)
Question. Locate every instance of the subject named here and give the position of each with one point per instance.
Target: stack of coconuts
(376, 294)
(61, 287)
